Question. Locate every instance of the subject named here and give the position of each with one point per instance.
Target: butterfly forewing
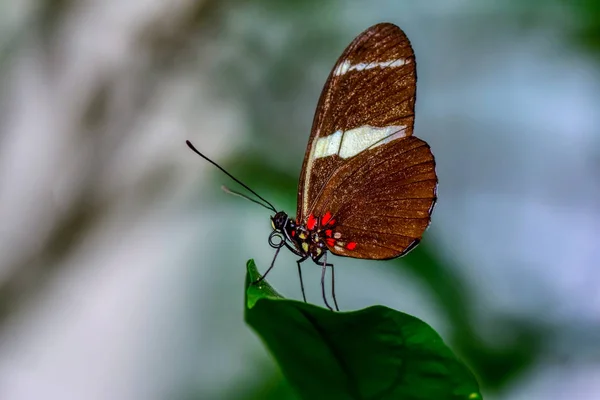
(362, 164)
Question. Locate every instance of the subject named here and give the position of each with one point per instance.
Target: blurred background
(122, 263)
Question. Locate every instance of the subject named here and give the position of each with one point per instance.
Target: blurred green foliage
(587, 30)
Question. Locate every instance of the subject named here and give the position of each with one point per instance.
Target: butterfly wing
(362, 164)
(381, 203)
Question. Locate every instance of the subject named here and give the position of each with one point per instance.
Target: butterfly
(368, 185)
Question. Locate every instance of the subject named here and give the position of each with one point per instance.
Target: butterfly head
(279, 220)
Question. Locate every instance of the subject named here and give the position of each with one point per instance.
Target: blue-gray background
(122, 263)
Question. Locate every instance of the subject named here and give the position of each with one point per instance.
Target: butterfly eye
(279, 221)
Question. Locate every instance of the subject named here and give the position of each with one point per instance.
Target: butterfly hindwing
(381, 202)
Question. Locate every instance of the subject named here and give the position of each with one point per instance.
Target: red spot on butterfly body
(351, 246)
(330, 242)
(328, 232)
(326, 218)
(311, 223)
(331, 222)
(293, 233)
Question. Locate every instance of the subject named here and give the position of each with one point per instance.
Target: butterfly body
(313, 238)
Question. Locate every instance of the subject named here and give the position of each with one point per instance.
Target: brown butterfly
(367, 186)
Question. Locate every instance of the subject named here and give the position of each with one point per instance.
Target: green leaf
(374, 353)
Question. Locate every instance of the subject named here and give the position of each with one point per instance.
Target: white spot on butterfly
(350, 143)
(347, 66)
(329, 145)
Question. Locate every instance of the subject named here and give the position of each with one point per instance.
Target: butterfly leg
(324, 268)
(300, 275)
(323, 286)
(259, 280)
(333, 287)
(303, 258)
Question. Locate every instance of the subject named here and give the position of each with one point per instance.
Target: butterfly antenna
(242, 195)
(271, 207)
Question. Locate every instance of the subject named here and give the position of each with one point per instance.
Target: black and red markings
(316, 235)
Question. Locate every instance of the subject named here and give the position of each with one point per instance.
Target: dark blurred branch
(33, 270)
(31, 273)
